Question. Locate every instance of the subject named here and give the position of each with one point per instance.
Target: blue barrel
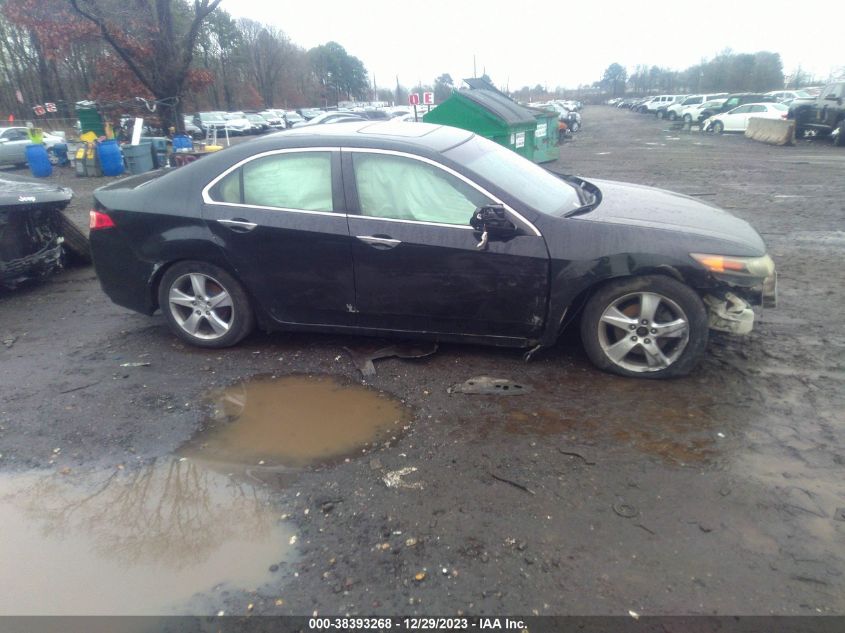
(111, 160)
(39, 162)
(182, 142)
(139, 159)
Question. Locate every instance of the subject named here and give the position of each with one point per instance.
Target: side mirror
(492, 220)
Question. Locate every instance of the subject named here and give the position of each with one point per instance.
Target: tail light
(99, 220)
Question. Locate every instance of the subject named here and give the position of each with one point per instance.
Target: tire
(616, 339)
(717, 127)
(76, 245)
(688, 118)
(660, 114)
(672, 115)
(574, 126)
(190, 288)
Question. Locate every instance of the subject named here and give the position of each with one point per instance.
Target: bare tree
(157, 44)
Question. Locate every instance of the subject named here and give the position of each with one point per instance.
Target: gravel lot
(721, 493)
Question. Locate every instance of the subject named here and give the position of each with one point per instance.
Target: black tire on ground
(672, 115)
(221, 315)
(718, 127)
(687, 118)
(660, 114)
(614, 314)
(76, 244)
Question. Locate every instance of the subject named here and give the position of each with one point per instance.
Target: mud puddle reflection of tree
(139, 540)
(148, 539)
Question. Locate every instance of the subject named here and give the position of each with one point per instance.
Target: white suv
(675, 111)
(657, 105)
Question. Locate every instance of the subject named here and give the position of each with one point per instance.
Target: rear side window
(301, 181)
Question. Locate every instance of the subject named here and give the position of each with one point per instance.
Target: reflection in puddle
(134, 541)
(293, 422)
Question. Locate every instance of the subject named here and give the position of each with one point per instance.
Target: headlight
(761, 267)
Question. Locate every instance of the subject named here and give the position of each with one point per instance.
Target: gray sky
(552, 43)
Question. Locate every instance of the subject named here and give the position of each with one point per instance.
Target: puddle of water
(294, 421)
(138, 541)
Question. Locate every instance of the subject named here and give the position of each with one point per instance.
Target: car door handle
(238, 224)
(382, 243)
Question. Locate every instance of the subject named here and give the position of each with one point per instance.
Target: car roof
(368, 133)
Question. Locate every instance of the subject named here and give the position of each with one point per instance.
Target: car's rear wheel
(204, 305)
(718, 127)
(672, 115)
(687, 118)
(647, 327)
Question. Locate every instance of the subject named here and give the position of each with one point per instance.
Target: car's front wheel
(648, 327)
(717, 127)
(204, 305)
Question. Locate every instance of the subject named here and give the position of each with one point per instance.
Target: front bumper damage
(731, 311)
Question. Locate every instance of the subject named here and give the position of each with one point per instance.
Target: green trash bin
(89, 118)
(490, 114)
(546, 141)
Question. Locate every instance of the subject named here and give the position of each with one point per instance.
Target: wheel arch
(567, 314)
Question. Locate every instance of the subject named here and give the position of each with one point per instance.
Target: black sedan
(426, 231)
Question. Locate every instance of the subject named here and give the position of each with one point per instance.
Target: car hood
(20, 191)
(638, 205)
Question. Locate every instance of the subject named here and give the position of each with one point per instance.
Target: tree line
(161, 58)
(727, 72)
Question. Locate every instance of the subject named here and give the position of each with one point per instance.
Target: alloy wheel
(643, 332)
(201, 306)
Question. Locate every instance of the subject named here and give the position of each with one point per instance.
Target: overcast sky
(552, 43)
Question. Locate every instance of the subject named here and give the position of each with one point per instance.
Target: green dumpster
(89, 118)
(490, 114)
(546, 146)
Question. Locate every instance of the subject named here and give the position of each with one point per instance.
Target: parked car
(208, 121)
(741, 98)
(789, 95)
(823, 115)
(292, 118)
(427, 231)
(676, 110)
(660, 109)
(274, 119)
(736, 120)
(191, 129)
(694, 113)
(309, 113)
(32, 229)
(331, 117)
(238, 123)
(258, 123)
(13, 142)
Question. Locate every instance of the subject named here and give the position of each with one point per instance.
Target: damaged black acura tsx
(431, 232)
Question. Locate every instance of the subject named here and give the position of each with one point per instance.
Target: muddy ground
(721, 493)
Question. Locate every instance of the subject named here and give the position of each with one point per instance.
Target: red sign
(428, 98)
(414, 98)
(39, 110)
(51, 107)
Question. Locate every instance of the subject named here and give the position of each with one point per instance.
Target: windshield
(518, 176)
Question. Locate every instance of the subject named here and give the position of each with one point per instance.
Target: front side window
(401, 188)
(300, 180)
